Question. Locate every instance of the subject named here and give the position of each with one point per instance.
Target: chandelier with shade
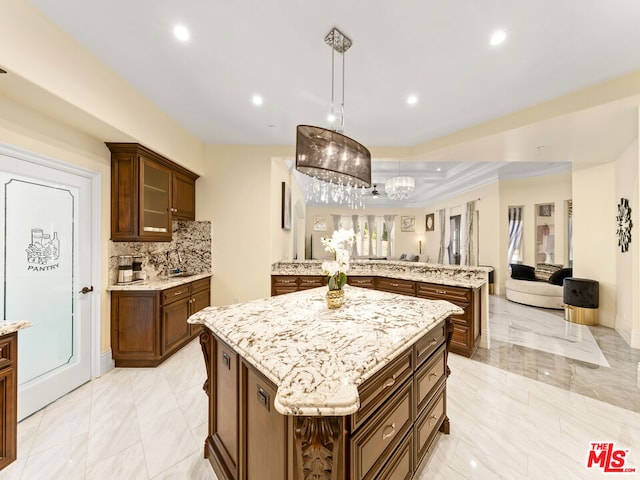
(339, 166)
(399, 188)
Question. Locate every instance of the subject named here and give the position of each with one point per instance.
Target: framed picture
(320, 223)
(429, 222)
(408, 224)
(286, 206)
(545, 210)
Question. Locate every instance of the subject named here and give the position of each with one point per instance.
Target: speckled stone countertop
(454, 275)
(7, 327)
(317, 357)
(159, 283)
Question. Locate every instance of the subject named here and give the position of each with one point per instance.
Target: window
(379, 245)
(515, 254)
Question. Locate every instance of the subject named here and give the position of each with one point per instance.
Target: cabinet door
(155, 200)
(225, 426)
(8, 401)
(266, 429)
(124, 196)
(184, 197)
(175, 329)
(134, 330)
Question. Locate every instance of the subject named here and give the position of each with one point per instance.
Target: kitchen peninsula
(298, 391)
(464, 286)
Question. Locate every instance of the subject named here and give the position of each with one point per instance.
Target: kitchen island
(298, 391)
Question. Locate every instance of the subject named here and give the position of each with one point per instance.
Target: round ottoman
(581, 298)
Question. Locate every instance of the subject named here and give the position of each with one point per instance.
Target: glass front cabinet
(148, 191)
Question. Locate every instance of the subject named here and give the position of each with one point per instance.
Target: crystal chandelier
(400, 188)
(339, 166)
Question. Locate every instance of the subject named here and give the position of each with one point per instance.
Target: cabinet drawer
(200, 285)
(393, 285)
(7, 350)
(283, 290)
(374, 391)
(175, 293)
(306, 282)
(429, 377)
(427, 425)
(364, 282)
(429, 343)
(284, 280)
(373, 445)
(400, 464)
(444, 292)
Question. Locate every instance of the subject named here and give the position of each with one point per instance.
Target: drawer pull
(395, 285)
(388, 431)
(178, 293)
(433, 419)
(226, 360)
(389, 382)
(442, 292)
(433, 342)
(263, 397)
(433, 375)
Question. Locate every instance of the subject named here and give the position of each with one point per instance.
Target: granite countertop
(453, 275)
(7, 326)
(317, 357)
(158, 283)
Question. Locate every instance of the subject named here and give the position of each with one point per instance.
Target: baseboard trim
(106, 362)
(635, 339)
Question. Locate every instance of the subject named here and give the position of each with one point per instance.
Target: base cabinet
(8, 398)
(403, 407)
(148, 326)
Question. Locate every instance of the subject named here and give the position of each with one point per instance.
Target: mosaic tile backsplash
(190, 250)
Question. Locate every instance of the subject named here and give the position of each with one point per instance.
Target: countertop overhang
(8, 326)
(318, 357)
(453, 275)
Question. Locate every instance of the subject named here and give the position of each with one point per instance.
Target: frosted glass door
(42, 269)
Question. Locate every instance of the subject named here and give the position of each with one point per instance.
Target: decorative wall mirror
(545, 233)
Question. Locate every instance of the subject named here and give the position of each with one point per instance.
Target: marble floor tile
(516, 412)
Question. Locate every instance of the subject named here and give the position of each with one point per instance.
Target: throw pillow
(545, 270)
(522, 272)
(403, 256)
(411, 257)
(557, 277)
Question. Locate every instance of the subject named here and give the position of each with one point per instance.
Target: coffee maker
(125, 269)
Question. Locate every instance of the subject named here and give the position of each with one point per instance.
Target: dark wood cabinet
(148, 191)
(147, 326)
(8, 398)
(402, 408)
(466, 327)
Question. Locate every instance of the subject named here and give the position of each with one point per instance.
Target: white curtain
(442, 221)
(466, 235)
(371, 221)
(336, 222)
(515, 234)
(389, 221)
(354, 225)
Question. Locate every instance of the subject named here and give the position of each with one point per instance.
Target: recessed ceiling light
(257, 100)
(497, 37)
(438, 169)
(331, 118)
(412, 99)
(181, 33)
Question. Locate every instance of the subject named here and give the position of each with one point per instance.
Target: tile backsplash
(192, 240)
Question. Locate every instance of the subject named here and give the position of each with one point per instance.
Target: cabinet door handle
(226, 360)
(263, 398)
(389, 382)
(389, 431)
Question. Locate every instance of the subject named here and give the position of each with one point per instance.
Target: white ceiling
(436, 50)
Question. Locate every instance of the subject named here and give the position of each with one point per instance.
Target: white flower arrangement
(336, 270)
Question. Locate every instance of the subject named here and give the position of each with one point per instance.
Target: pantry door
(46, 265)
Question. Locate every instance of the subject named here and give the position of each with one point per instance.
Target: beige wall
(627, 319)
(594, 239)
(405, 242)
